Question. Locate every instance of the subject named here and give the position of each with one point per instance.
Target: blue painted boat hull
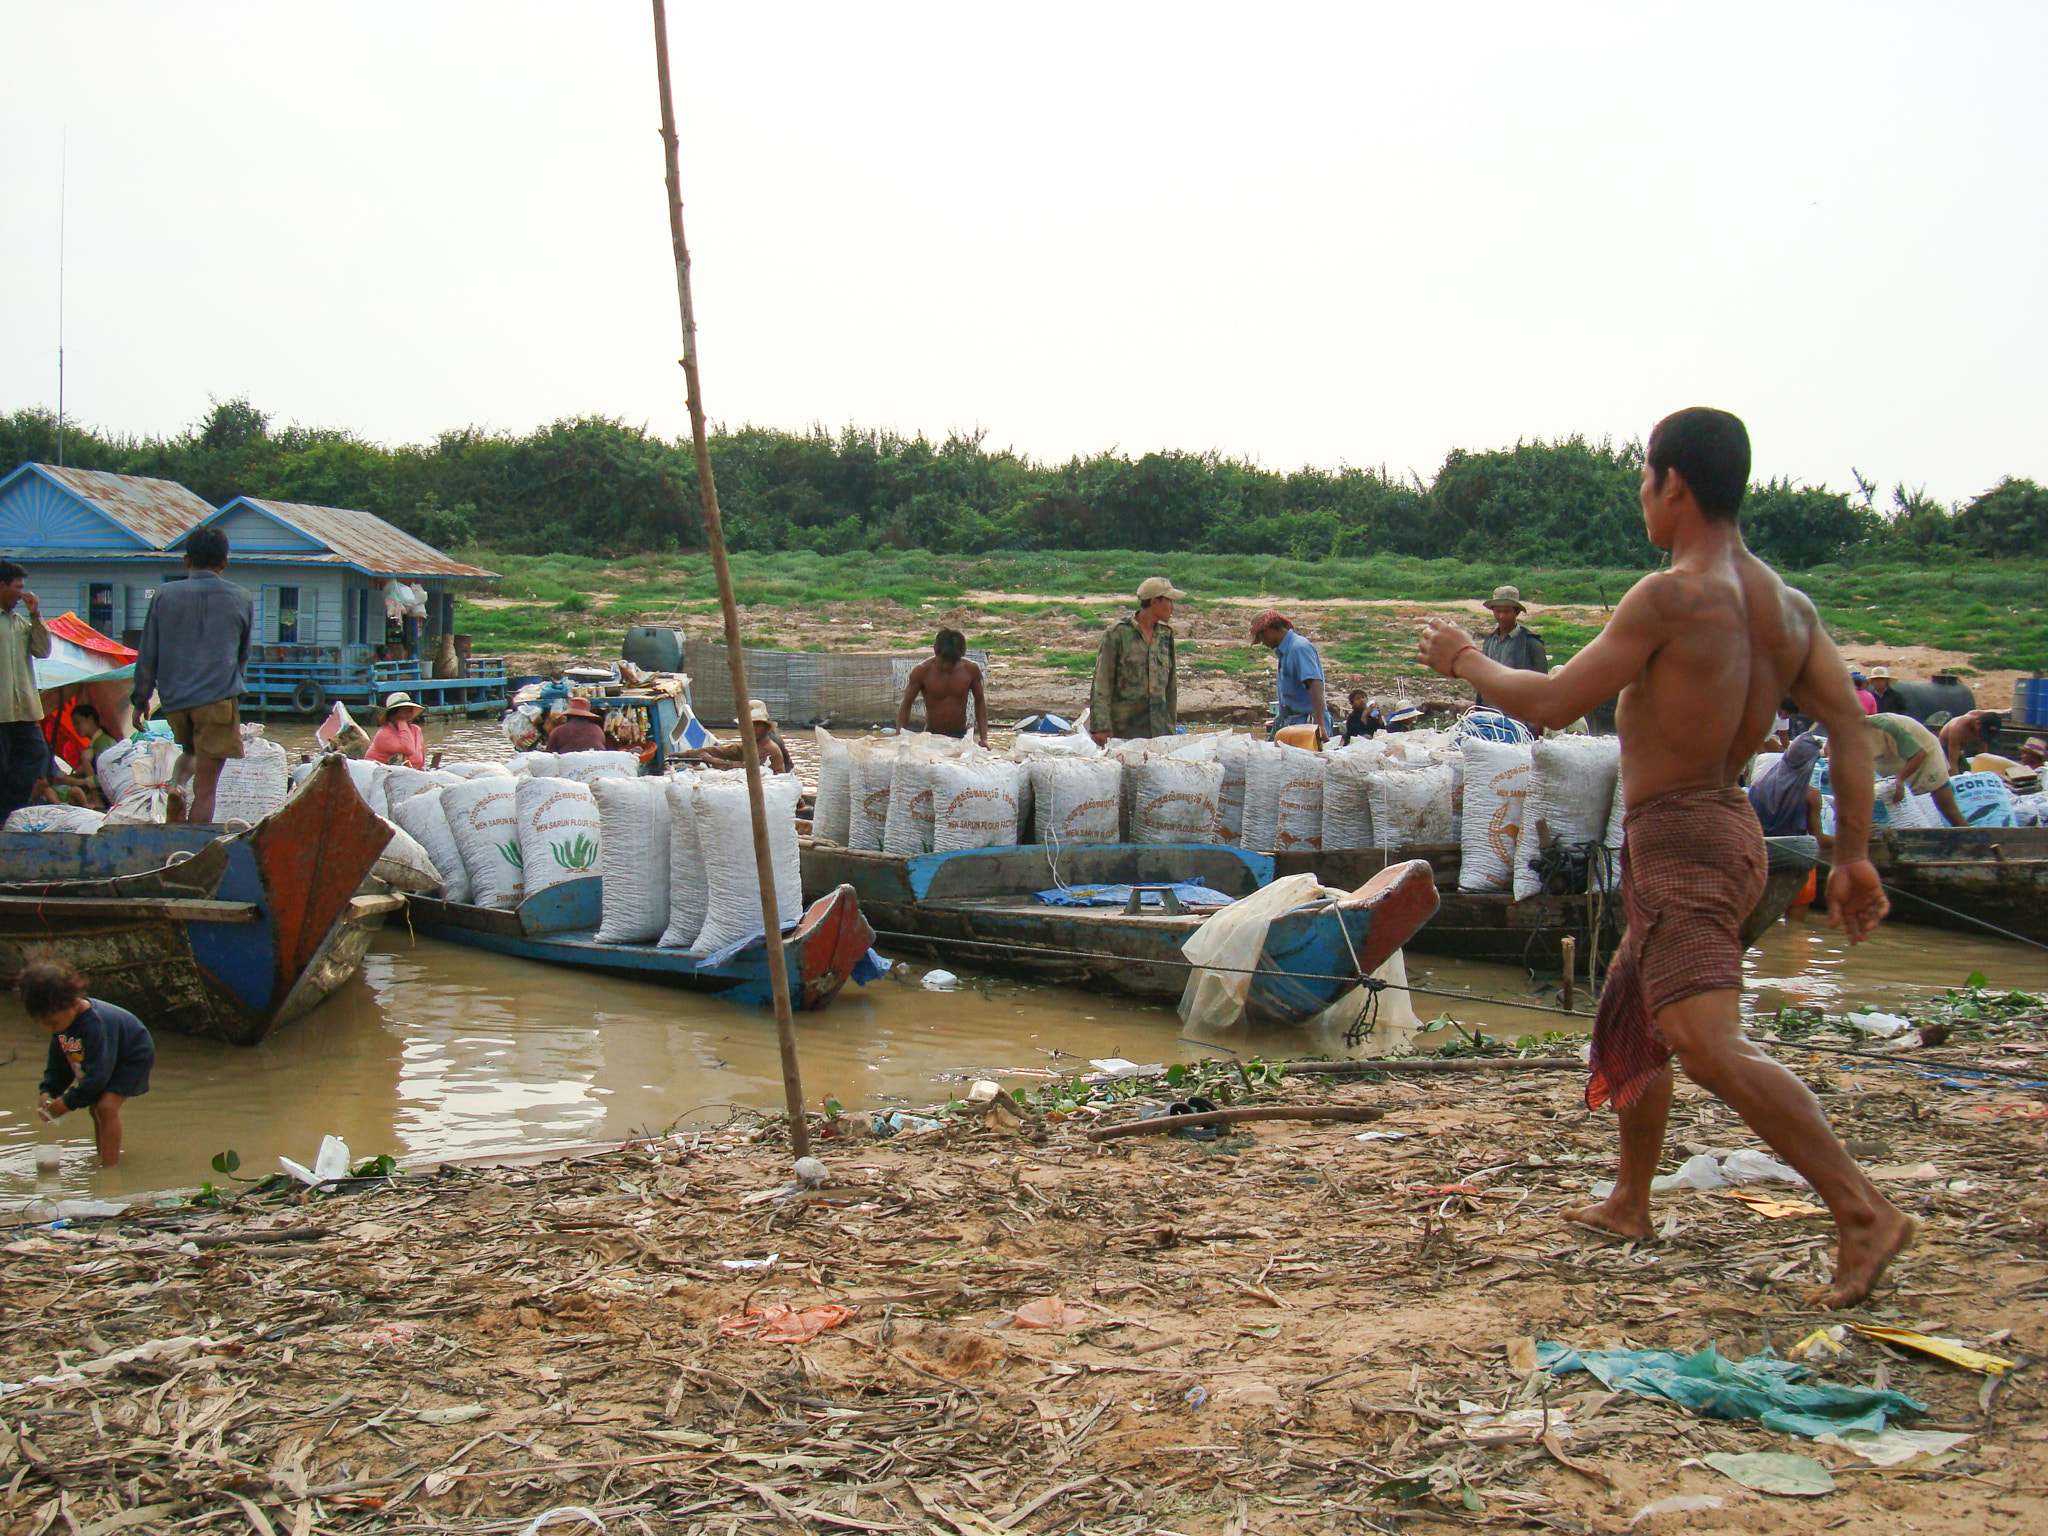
(558, 926)
(289, 929)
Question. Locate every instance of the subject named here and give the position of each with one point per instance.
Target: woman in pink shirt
(399, 739)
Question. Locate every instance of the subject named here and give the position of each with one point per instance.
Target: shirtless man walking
(1701, 653)
(947, 681)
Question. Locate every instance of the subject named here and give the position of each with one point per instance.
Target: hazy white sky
(1302, 233)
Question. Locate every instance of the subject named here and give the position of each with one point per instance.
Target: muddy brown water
(439, 1051)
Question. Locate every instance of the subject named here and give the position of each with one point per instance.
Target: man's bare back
(1728, 639)
(1700, 655)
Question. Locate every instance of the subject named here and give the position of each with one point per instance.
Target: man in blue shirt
(1301, 674)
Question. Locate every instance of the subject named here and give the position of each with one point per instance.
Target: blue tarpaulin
(1763, 1387)
(1191, 893)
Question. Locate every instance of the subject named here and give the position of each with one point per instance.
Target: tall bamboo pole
(714, 529)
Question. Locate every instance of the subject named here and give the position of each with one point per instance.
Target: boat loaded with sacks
(1521, 840)
(579, 860)
(225, 936)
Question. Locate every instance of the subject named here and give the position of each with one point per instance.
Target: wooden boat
(1494, 927)
(1991, 881)
(558, 926)
(978, 908)
(222, 936)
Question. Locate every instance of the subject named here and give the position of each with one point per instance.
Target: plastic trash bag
(1774, 1392)
(1749, 1167)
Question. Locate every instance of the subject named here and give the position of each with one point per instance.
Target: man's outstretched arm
(1614, 659)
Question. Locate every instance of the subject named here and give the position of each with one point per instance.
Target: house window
(99, 607)
(287, 615)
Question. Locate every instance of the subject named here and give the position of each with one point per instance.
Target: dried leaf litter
(1290, 1328)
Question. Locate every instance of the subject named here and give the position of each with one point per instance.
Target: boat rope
(1930, 1069)
(1817, 863)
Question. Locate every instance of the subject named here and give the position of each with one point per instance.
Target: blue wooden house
(321, 577)
(101, 544)
(96, 543)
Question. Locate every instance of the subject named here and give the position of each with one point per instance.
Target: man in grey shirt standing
(195, 644)
(1512, 643)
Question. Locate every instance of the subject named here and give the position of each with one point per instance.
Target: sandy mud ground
(1285, 1330)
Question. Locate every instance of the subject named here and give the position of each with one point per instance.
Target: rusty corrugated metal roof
(155, 510)
(363, 539)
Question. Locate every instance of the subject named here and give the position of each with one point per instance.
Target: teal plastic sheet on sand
(1763, 1387)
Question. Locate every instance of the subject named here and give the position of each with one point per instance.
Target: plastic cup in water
(49, 1159)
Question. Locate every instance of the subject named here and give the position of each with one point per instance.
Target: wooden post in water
(1570, 946)
(714, 530)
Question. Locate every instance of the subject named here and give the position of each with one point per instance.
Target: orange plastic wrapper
(784, 1325)
(1047, 1312)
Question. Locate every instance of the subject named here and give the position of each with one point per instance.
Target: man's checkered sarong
(1692, 868)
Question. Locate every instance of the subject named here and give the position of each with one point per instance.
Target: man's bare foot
(1610, 1216)
(1863, 1255)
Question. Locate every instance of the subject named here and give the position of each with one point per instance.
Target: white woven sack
(405, 864)
(253, 785)
(1347, 809)
(871, 767)
(139, 763)
(725, 832)
(1411, 806)
(1196, 746)
(1175, 800)
(142, 806)
(832, 812)
(476, 770)
(483, 817)
(403, 782)
(633, 852)
(56, 818)
(1283, 798)
(688, 892)
(974, 804)
(907, 831)
(589, 767)
(559, 831)
(1496, 790)
(1261, 819)
(1571, 788)
(426, 823)
(1131, 754)
(1032, 745)
(1232, 752)
(1076, 800)
(369, 781)
(1298, 812)
(531, 765)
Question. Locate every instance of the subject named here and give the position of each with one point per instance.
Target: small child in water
(100, 1055)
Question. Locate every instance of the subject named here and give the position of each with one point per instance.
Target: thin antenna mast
(63, 187)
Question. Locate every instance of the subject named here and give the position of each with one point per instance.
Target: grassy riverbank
(1044, 611)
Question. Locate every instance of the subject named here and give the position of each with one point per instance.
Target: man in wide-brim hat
(733, 754)
(1512, 643)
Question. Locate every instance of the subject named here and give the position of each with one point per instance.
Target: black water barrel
(652, 649)
(1938, 693)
